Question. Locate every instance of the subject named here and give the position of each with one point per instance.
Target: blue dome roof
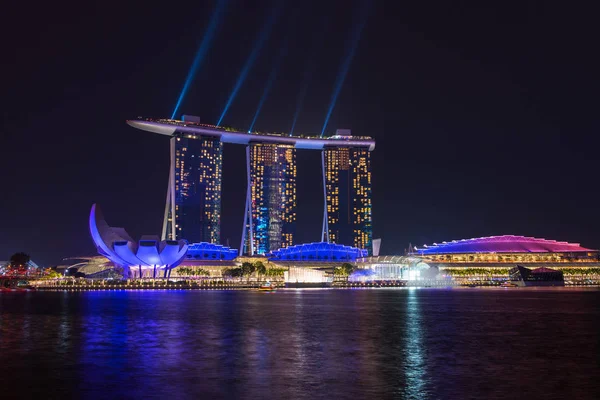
(210, 251)
(320, 251)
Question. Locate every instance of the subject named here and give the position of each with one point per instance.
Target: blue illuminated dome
(210, 251)
(320, 251)
(138, 259)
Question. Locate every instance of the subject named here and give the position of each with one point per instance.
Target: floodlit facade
(193, 207)
(490, 259)
(507, 249)
(193, 202)
(148, 257)
(347, 176)
(318, 252)
(272, 202)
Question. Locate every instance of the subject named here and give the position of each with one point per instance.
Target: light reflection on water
(415, 358)
(403, 343)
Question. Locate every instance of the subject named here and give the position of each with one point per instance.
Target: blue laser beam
(260, 41)
(272, 76)
(270, 80)
(309, 69)
(345, 66)
(302, 94)
(201, 53)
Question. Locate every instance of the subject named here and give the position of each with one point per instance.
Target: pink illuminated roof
(503, 244)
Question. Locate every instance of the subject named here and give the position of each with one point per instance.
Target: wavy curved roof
(502, 244)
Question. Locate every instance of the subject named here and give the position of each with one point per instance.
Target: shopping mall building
(488, 259)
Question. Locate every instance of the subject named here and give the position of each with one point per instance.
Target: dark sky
(485, 115)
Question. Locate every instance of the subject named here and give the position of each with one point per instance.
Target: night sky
(485, 116)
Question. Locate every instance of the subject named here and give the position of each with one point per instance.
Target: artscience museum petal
(148, 257)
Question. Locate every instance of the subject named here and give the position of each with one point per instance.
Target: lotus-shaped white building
(146, 258)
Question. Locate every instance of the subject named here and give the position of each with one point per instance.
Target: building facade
(194, 195)
(272, 202)
(347, 178)
(193, 206)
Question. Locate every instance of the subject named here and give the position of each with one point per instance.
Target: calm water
(383, 343)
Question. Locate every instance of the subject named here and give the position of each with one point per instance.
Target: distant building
(486, 260)
(348, 196)
(542, 276)
(506, 250)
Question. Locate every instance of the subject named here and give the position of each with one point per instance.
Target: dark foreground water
(382, 343)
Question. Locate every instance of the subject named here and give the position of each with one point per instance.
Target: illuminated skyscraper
(348, 196)
(272, 197)
(193, 207)
(194, 195)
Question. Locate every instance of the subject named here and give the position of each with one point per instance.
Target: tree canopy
(19, 260)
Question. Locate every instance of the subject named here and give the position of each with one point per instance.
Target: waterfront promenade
(82, 284)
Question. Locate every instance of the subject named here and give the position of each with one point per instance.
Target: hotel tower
(347, 181)
(271, 198)
(193, 206)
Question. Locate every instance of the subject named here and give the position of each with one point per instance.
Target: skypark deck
(170, 127)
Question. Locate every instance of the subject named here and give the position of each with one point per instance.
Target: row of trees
(344, 270)
(246, 270)
(475, 271)
(187, 271)
(257, 268)
(589, 272)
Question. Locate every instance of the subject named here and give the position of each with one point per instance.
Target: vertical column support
(325, 234)
(172, 180)
(248, 210)
(170, 201)
(166, 217)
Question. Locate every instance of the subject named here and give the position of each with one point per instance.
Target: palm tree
(260, 268)
(247, 269)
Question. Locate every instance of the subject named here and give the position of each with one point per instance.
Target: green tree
(345, 270)
(231, 272)
(260, 268)
(52, 273)
(247, 269)
(275, 272)
(201, 272)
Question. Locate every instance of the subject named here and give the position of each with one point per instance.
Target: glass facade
(197, 189)
(348, 196)
(273, 196)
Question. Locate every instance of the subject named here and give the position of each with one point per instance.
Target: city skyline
(270, 211)
(300, 199)
(472, 129)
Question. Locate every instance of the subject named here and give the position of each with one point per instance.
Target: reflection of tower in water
(415, 366)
